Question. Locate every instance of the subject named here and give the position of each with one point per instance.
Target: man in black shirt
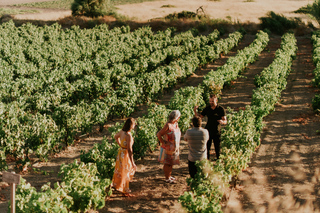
(216, 115)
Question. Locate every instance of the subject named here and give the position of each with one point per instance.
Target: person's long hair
(128, 124)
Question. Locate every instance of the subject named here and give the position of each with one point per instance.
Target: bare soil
(233, 10)
(284, 173)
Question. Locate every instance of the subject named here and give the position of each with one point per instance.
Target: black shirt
(213, 116)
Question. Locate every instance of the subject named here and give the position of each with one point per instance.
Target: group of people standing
(199, 141)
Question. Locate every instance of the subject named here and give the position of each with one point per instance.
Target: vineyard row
(99, 161)
(58, 85)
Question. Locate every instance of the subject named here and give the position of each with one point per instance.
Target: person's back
(125, 166)
(197, 138)
(123, 136)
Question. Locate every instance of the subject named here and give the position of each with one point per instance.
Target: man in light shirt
(197, 138)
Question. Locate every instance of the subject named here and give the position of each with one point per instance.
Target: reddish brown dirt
(284, 172)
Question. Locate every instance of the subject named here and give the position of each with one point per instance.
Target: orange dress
(124, 171)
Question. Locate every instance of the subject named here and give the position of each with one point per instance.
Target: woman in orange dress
(125, 166)
(169, 137)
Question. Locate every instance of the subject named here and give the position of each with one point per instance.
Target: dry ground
(234, 10)
(284, 172)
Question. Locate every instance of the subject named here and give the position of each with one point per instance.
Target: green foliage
(305, 10)
(115, 129)
(145, 138)
(206, 190)
(232, 162)
(28, 200)
(241, 135)
(91, 8)
(4, 11)
(104, 156)
(184, 100)
(316, 103)
(80, 190)
(272, 79)
(264, 98)
(168, 6)
(82, 183)
(215, 80)
(102, 74)
(316, 71)
(159, 113)
(280, 68)
(316, 58)
(127, 96)
(182, 15)
(212, 84)
(3, 163)
(311, 9)
(239, 140)
(66, 81)
(56, 4)
(22, 134)
(278, 23)
(240, 132)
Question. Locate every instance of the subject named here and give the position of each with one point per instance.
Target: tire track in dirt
(284, 173)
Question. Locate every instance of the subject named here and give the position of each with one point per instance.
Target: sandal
(127, 195)
(169, 181)
(172, 178)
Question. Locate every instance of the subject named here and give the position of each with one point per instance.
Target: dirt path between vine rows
(152, 193)
(284, 173)
(291, 162)
(284, 168)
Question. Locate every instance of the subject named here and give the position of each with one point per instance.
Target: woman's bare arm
(130, 142)
(162, 132)
(117, 137)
